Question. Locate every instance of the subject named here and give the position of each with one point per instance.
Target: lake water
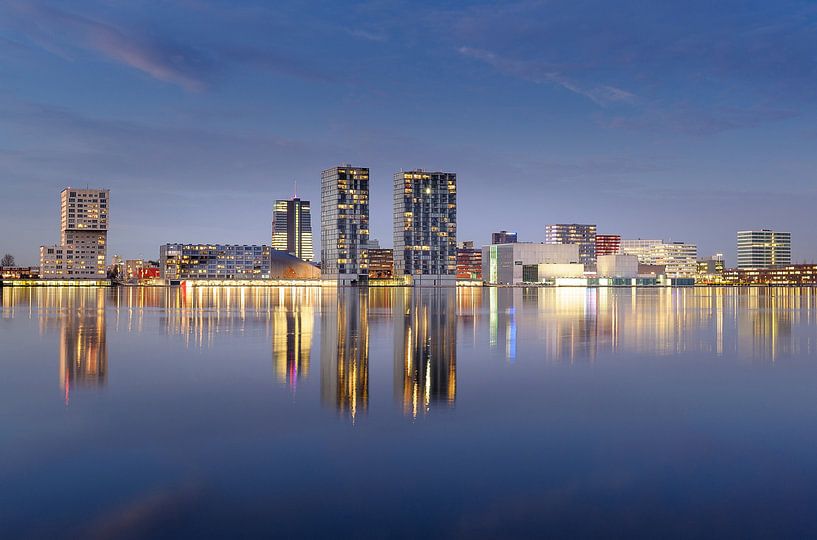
(301, 412)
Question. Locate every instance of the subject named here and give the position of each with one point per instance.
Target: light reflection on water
(398, 357)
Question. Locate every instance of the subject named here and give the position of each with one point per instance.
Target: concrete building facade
(83, 237)
(617, 266)
(502, 264)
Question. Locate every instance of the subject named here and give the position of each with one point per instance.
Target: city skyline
(674, 137)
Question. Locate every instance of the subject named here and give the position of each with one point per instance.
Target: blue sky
(675, 120)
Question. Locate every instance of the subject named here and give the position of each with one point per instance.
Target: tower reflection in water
(293, 319)
(345, 351)
(77, 316)
(425, 349)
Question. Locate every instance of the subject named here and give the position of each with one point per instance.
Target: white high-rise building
(764, 249)
(83, 237)
(425, 227)
(679, 258)
(344, 223)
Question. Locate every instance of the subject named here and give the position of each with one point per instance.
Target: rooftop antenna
(296, 189)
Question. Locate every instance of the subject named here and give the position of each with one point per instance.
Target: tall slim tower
(83, 237)
(292, 228)
(344, 223)
(425, 227)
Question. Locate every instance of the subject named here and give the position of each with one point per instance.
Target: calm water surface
(304, 412)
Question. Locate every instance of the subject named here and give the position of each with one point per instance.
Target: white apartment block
(83, 237)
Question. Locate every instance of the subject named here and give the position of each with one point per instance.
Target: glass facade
(344, 222)
(292, 228)
(503, 237)
(380, 262)
(425, 223)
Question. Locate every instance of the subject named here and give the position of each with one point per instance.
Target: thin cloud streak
(164, 61)
(541, 73)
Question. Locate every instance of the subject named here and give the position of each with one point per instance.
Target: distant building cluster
(425, 249)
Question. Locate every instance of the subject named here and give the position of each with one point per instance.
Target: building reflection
(292, 339)
(425, 349)
(77, 315)
(574, 324)
(765, 321)
(83, 344)
(345, 351)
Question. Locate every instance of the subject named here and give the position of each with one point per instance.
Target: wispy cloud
(168, 59)
(542, 73)
(161, 59)
(367, 35)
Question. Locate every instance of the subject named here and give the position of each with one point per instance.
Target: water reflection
(78, 317)
(83, 344)
(425, 349)
(345, 351)
(423, 328)
(293, 320)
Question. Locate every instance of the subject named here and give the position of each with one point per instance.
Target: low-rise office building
(548, 272)
(502, 264)
(380, 262)
(20, 272)
(469, 262)
(795, 274)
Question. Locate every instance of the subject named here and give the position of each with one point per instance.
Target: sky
(684, 121)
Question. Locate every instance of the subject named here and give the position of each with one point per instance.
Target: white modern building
(679, 258)
(344, 224)
(83, 237)
(425, 227)
(617, 266)
(503, 264)
(764, 249)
